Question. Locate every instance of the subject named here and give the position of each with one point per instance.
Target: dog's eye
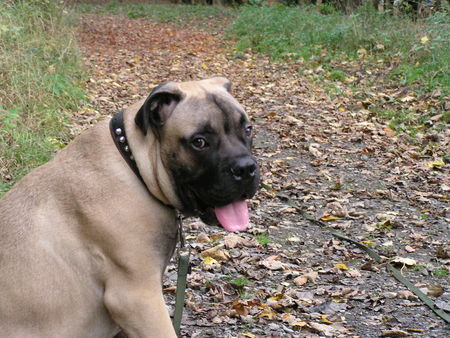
(199, 143)
(248, 131)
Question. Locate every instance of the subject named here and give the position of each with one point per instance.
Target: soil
(286, 276)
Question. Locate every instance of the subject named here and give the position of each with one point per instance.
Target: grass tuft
(42, 78)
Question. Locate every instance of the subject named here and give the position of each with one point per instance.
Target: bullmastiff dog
(85, 238)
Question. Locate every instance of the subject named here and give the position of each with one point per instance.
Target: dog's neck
(151, 182)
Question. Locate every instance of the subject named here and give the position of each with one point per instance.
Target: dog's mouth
(219, 203)
(232, 217)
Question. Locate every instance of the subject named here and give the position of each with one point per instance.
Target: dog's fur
(83, 243)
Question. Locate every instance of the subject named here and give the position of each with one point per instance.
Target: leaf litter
(286, 276)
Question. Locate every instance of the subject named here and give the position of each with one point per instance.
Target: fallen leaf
(404, 261)
(322, 328)
(232, 240)
(250, 335)
(341, 266)
(435, 164)
(328, 218)
(203, 238)
(353, 274)
(272, 264)
(298, 324)
(210, 260)
(435, 290)
(301, 280)
(409, 249)
(394, 333)
(406, 294)
(324, 319)
(267, 312)
(216, 252)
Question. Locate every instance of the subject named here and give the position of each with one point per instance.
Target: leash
(375, 256)
(117, 129)
(183, 270)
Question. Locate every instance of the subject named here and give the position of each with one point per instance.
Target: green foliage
(420, 49)
(337, 75)
(239, 282)
(41, 77)
(263, 239)
(440, 272)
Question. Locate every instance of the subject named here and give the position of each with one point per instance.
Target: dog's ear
(158, 107)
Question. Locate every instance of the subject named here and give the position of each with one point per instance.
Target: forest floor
(286, 276)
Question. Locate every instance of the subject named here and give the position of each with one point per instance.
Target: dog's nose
(244, 168)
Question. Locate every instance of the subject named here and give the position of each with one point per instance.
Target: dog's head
(205, 140)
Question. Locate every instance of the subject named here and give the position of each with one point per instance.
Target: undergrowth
(419, 50)
(199, 15)
(41, 79)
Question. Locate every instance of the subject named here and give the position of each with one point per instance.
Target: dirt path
(288, 277)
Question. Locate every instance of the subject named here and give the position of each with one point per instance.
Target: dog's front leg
(140, 311)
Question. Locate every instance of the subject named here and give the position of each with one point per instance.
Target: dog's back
(44, 288)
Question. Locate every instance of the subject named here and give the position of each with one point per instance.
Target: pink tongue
(234, 216)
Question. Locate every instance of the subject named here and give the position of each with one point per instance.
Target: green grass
(440, 272)
(199, 15)
(41, 79)
(419, 51)
(239, 282)
(263, 239)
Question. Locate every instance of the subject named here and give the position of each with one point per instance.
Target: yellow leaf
(277, 297)
(299, 324)
(362, 52)
(415, 330)
(341, 266)
(368, 242)
(204, 66)
(250, 335)
(436, 164)
(424, 39)
(324, 319)
(267, 312)
(328, 218)
(210, 260)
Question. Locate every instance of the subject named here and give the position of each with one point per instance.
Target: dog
(86, 237)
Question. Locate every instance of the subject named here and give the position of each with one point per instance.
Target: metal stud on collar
(118, 131)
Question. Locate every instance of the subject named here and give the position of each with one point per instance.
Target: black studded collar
(117, 128)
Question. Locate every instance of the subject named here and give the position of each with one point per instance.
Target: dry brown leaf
(394, 333)
(272, 264)
(216, 253)
(232, 240)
